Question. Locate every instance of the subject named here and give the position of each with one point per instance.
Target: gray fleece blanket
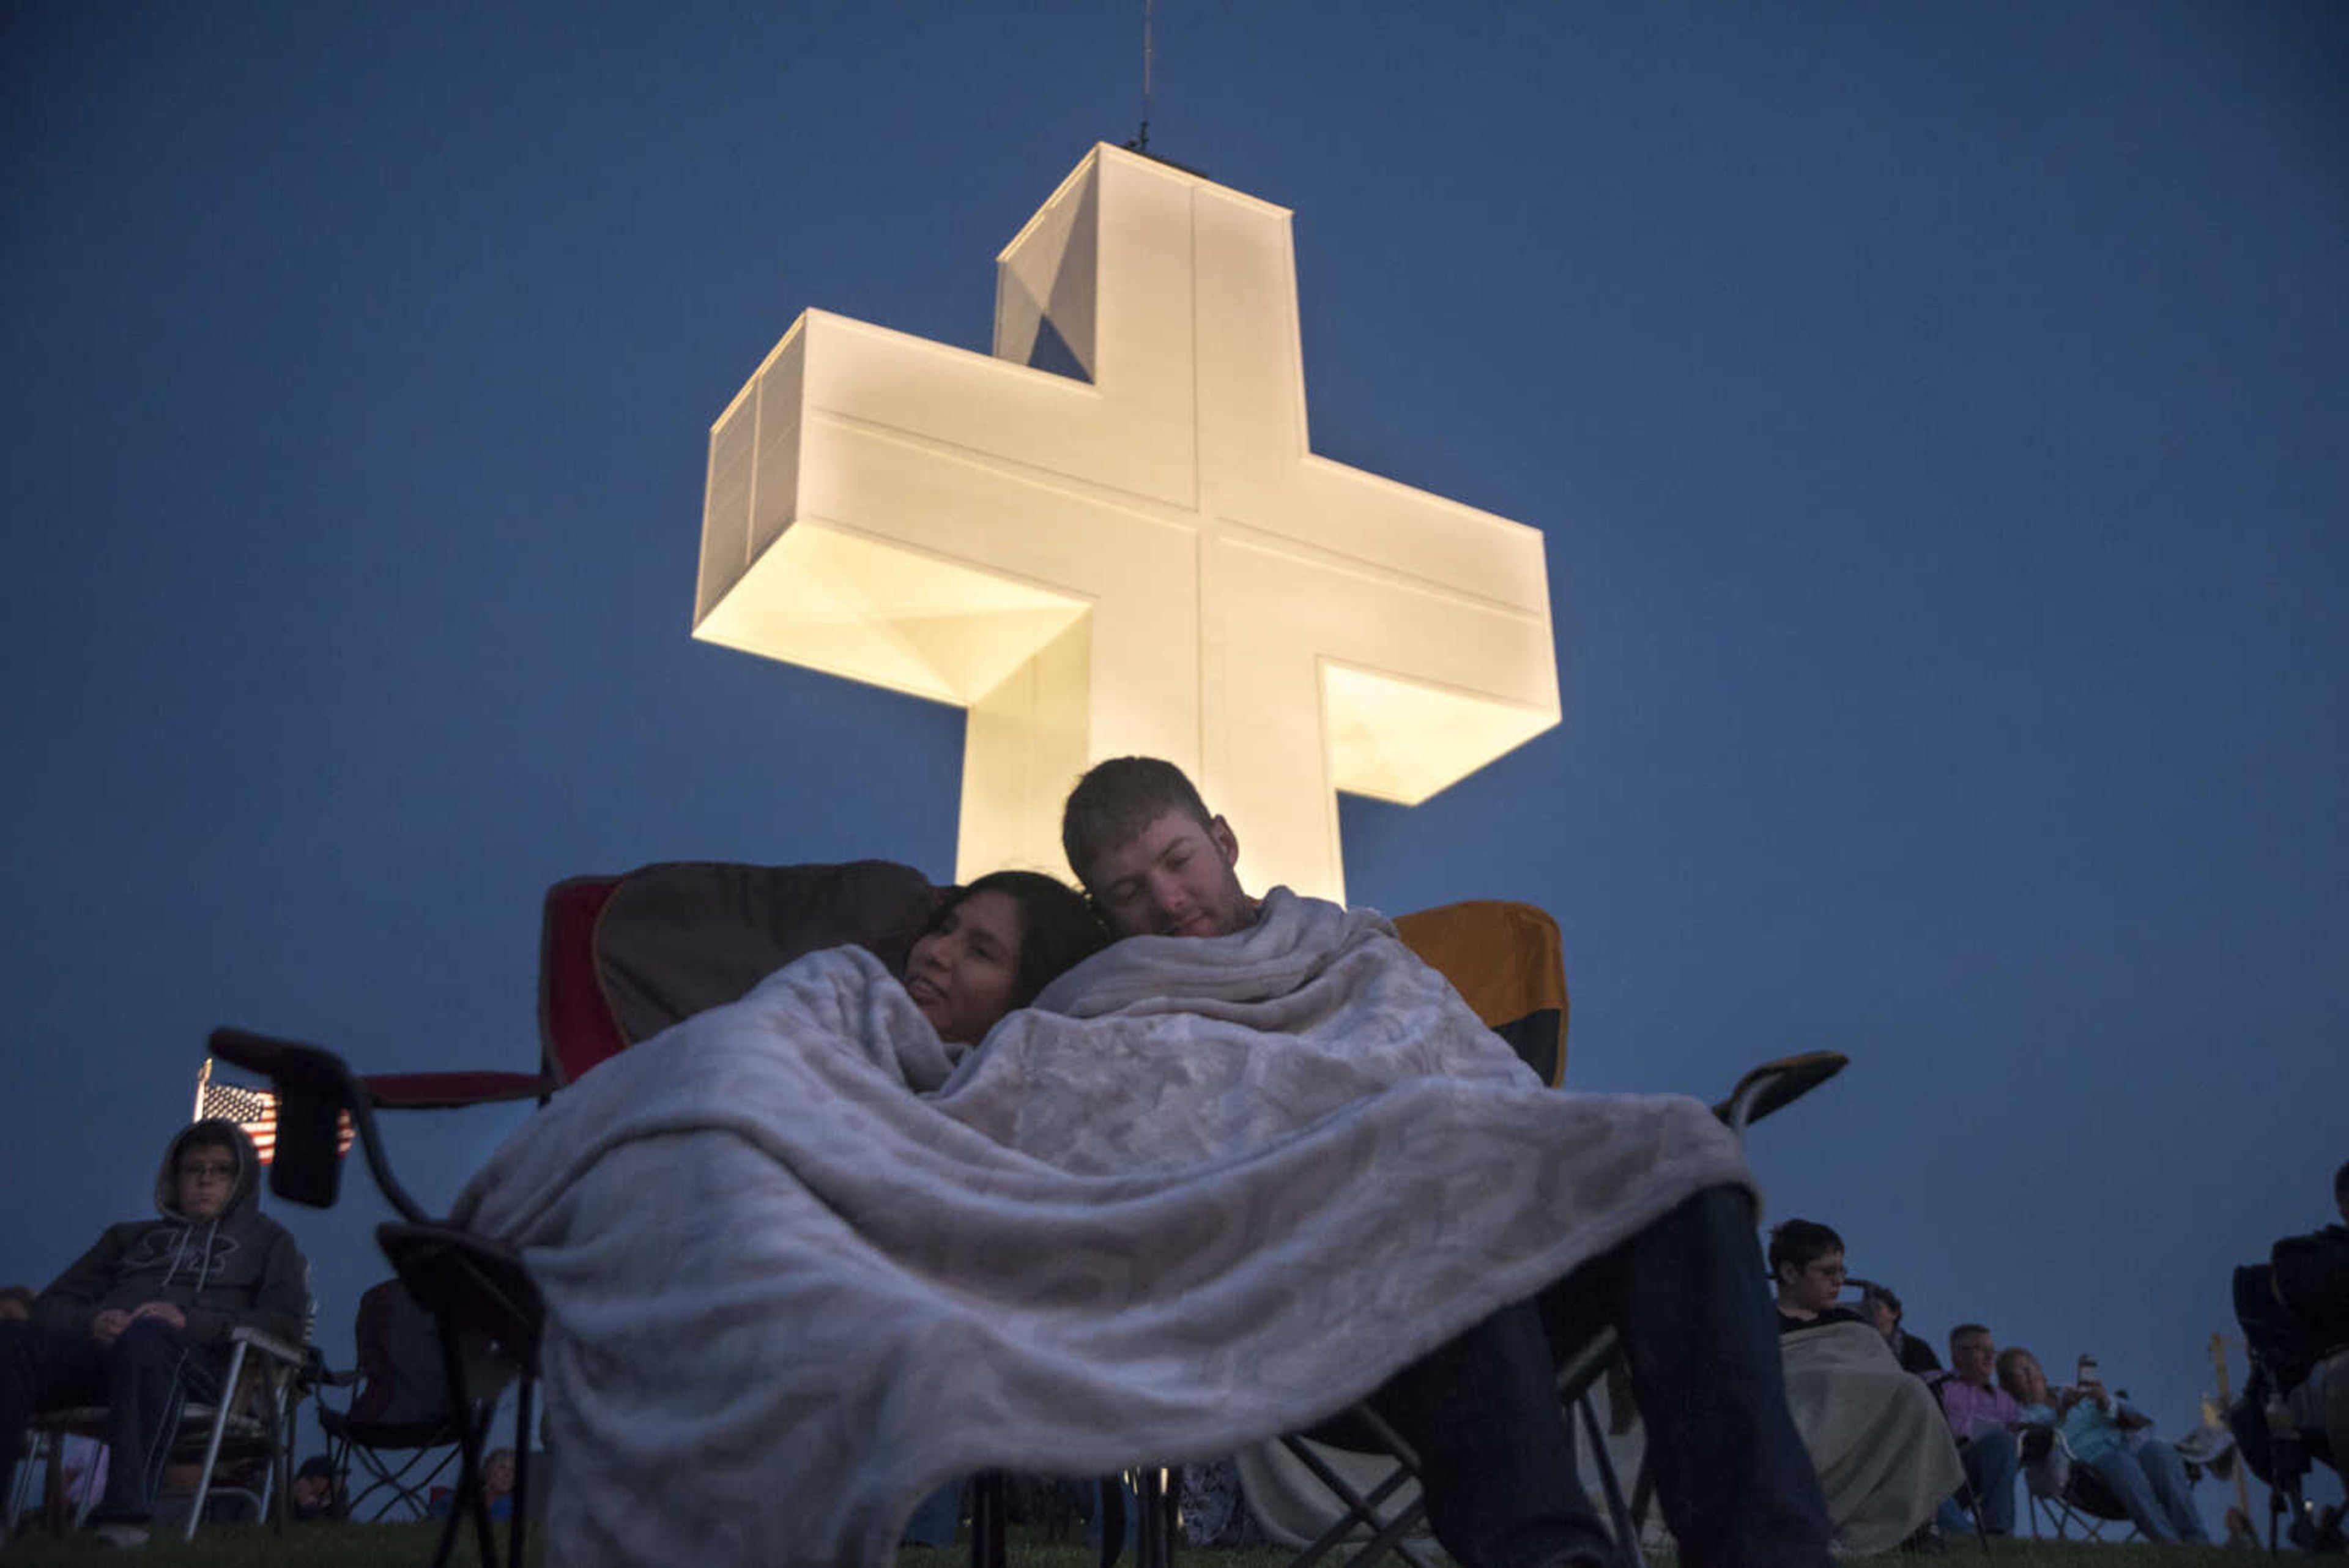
(801, 1263)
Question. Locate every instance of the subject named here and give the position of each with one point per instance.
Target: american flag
(254, 1110)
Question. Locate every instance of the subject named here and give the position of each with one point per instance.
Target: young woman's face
(961, 975)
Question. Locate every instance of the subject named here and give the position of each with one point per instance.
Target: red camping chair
(621, 959)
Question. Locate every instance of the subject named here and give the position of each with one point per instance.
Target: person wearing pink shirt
(1983, 1417)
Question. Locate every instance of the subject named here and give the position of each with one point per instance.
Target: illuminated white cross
(1146, 560)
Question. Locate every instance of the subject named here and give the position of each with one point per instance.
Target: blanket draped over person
(1876, 1435)
(1205, 1191)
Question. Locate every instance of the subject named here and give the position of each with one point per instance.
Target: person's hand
(108, 1327)
(163, 1311)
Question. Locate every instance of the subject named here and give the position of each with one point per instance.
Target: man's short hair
(1962, 1330)
(1117, 799)
(1801, 1242)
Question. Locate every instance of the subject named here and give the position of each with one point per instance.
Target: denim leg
(2126, 1477)
(2165, 1473)
(152, 1371)
(43, 1368)
(1495, 1453)
(1990, 1461)
(1734, 1477)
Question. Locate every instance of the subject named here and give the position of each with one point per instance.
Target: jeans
(142, 1378)
(2150, 1480)
(1990, 1458)
(1496, 1454)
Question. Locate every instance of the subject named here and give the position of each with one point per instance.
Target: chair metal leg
(987, 1520)
(1627, 1534)
(518, 1526)
(1152, 1537)
(222, 1403)
(471, 1428)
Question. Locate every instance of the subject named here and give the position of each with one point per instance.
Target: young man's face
(207, 1177)
(1173, 878)
(1814, 1286)
(1971, 1358)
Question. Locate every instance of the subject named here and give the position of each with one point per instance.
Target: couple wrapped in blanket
(807, 1255)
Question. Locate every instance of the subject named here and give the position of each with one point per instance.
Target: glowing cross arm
(1130, 549)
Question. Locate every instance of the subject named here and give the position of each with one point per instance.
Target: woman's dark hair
(1057, 929)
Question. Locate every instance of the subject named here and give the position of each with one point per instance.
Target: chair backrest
(402, 1381)
(1507, 962)
(623, 958)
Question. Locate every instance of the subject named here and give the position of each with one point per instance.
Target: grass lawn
(410, 1546)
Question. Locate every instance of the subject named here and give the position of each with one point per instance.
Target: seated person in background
(2310, 1277)
(318, 1491)
(497, 1488)
(141, 1320)
(1884, 1455)
(1883, 1309)
(2148, 1478)
(1806, 1263)
(1983, 1418)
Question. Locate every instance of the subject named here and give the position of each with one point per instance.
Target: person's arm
(71, 1300)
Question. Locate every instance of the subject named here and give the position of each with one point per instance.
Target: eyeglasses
(202, 1168)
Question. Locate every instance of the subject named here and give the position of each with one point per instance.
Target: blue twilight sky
(1937, 416)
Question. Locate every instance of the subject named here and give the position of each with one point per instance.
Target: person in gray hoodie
(140, 1322)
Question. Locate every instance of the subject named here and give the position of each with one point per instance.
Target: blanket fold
(1876, 1435)
(802, 1262)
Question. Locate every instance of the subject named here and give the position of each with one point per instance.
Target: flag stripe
(255, 1111)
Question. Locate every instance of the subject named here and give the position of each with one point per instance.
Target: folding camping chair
(250, 1423)
(1505, 960)
(2070, 1497)
(621, 959)
(401, 1408)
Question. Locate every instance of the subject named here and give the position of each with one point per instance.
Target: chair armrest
(472, 1281)
(314, 1088)
(1774, 1086)
(452, 1091)
(268, 1344)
